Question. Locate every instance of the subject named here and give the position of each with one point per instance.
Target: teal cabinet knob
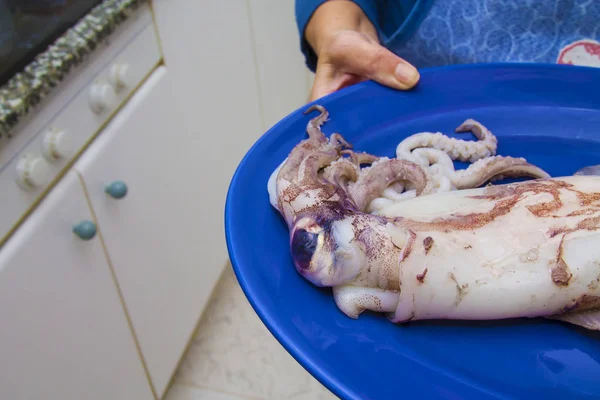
(86, 230)
(116, 189)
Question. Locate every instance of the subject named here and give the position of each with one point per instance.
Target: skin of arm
(348, 51)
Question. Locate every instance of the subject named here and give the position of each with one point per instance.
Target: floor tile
(180, 392)
(232, 350)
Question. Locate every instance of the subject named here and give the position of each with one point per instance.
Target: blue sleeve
(305, 10)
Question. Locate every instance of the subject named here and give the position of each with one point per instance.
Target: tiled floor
(233, 356)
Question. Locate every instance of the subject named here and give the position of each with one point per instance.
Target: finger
(322, 84)
(329, 80)
(322, 88)
(375, 62)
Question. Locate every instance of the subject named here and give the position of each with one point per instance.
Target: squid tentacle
(495, 168)
(457, 149)
(374, 179)
(360, 158)
(315, 141)
(308, 171)
(341, 172)
(339, 142)
(314, 125)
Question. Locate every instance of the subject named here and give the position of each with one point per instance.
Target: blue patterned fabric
(441, 32)
(473, 31)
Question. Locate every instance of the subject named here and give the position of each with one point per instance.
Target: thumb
(375, 62)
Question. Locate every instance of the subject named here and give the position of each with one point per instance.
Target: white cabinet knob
(57, 144)
(119, 75)
(102, 96)
(32, 171)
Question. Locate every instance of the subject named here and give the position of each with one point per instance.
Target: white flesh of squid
(499, 270)
(272, 185)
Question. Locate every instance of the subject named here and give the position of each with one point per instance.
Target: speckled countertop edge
(28, 87)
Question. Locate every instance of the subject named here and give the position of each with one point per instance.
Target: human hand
(349, 51)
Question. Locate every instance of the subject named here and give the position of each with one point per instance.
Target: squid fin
(586, 319)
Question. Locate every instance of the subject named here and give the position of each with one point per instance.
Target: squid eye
(303, 247)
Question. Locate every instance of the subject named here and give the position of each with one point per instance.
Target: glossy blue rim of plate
(575, 74)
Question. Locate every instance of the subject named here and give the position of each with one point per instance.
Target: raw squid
(522, 250)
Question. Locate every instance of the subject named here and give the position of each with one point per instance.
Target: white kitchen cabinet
(156, 235)
(64, 334)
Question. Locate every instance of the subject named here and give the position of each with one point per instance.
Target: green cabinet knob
(116, 189)
(86, 230)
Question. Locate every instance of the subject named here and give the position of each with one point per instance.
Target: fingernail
(406, 74)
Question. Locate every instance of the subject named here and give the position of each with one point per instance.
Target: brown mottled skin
(560, 273)
(583, 303)
(461, 290)
(427, 243)
(507, 196)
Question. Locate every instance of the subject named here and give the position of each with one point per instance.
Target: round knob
(85, 230)
(32, 171)
(118, 76)
(116, 189)
(102, 96)
(57, 144)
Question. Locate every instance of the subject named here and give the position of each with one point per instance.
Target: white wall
(282, 75)
(244, 77)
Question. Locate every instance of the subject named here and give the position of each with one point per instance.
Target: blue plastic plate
(549, 114)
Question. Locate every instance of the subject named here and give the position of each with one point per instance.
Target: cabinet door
(157, 235)
(64, 332)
